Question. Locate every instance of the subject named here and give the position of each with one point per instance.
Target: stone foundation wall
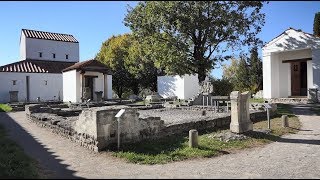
(102, 124)
(290, 100)
(50, 123)
(96, 128)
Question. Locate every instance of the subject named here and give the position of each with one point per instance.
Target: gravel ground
(294, 156)
(175, 116)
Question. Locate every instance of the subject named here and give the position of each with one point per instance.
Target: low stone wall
(290, 100)
(97, 128)
(102, 124)
(52, 123)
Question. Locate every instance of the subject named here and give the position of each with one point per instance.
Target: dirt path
(294, 156)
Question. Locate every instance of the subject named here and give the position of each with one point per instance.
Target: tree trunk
(201, 74)
(135, 89)
(154, 87)
(119, 92)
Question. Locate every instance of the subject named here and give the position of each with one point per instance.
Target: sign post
(118, 115)
(267, 106)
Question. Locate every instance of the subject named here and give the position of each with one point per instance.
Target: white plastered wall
(289, 46)
(184, 87)
(30, 48)
(37, 87)
(72, 83)
(70, 86)
(191, 86)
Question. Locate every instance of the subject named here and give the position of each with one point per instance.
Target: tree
(255, 71)
(230, 71)
(112, 53)
(242, 75)
(187, 37)
(246, 72)
(221, 87)
(130, 64)
(316, 24)
(143, 69)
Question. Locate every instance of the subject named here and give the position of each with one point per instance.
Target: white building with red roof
(38, 76)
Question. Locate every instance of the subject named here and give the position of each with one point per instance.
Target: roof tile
(49, 36)
(36, 66)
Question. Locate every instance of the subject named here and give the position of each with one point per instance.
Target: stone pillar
(284, 120)
(240, 115)
(99, 96)
(313, 95)
(193, 138)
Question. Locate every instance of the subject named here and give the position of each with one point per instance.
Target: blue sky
(93, 22)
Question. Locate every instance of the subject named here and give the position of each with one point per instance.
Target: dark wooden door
(28, 88)
(295, 79)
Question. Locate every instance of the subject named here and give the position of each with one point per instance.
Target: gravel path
(294, 156)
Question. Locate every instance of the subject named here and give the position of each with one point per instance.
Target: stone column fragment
(240, 115)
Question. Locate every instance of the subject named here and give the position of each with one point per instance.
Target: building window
(45, 82)
(14, 82)
(53, 55)
(40, 54)
(67, 56)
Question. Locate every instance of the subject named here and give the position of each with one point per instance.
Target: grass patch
(256, 100)
(5, 108)
(175, 148)
(140, 103)
(14, 163)
(276, 122)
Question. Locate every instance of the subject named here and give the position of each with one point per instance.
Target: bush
(221, 87)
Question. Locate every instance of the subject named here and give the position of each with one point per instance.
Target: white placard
(119, 114)
(267, 106)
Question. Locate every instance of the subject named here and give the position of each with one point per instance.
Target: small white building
(39, 73)
(86, 80)
(291, 65)
(184, 87)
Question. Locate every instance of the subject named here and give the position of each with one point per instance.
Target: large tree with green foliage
(129, 62)
(246, 72)
(139, 64)
(221, 87)
(255, 70)
(113, 53)
(187, 37)
(316, 24)
(242, 76)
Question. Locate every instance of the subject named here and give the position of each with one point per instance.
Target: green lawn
(175, 148)
(5, 108)
(140, 103)
(14, 163)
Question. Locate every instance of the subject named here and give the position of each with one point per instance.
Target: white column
(266, 66)
(109, 86)
(315, 68)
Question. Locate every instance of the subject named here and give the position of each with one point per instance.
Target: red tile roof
(49, 36)
(93, 65)
(36, 66)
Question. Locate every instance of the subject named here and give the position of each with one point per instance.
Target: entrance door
(303, 72)
(88, 84)
(295, 79)
(28, 88)
(299, 79)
